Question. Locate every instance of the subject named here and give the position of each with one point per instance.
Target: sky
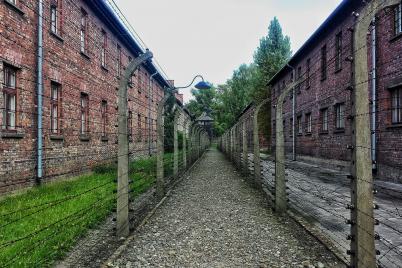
(214, 37)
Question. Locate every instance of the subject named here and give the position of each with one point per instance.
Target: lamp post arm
(197, 76)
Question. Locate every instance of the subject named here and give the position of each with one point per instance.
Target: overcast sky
(214, 37)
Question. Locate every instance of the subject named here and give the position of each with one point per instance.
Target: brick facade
(325, 90)
(93, 73)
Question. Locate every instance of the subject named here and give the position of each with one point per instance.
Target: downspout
(40, 92)
(149, 114)
(374, 95)
(293, 115)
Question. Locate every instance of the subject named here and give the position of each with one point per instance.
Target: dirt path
(215, 219)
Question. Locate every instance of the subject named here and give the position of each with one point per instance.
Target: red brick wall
(64, 64)
(331, 91)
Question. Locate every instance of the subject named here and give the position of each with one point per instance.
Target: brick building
(86, 48)
(323, 100)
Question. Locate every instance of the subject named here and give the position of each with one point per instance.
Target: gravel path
(215, 219)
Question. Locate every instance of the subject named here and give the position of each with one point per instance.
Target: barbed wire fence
(358, 218)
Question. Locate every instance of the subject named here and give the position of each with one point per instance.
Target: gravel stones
(215, 219)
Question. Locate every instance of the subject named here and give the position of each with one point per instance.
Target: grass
(41, 225)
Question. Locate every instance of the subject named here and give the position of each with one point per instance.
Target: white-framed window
(84, 114)
(83, 31)
(54, 18)
(104, 117)
(340, 116)
(398, 19)
(104, 48)
(308, 123)
(10, 97)
(55, 95)
(324, 120)
(299, 125)
(396, 107)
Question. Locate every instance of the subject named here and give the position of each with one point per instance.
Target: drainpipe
(149, 114)
(40, 92)
(374, 95)
(293, 114)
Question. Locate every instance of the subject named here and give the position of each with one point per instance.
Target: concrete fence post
(185, 144)
(280, 180)
(245, 147)
(256, 142)
(176, 144)
(363, 253)
(160, 182)
(123, 226)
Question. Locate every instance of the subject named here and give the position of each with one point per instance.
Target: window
(338, 52)
(130, 83)
(340, 116)
(54, 18)
(396, 97)
(299, 76)
(299, 125)
(139, 125)
(55, 95)
(146, 128)
(324, 120)
(398, 19)
(308, 73)
(308, 123)
(83, 34)
(291, 128)
(104, 117)
(104, 48)
(84, 113)
(118, 63)
(130, 125)
(139, 83)
(10, 98)
(324, 62)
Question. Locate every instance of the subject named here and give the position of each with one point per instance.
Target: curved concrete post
(280, 182)
(122, 221)
(185, 128)
(245, 146)
(363, 252)
(160, 182)
(176, 142)
(256, 142)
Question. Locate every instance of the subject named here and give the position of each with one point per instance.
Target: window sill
(12, 135)
(14, 7)
(339, 131)
(396, 37)
(338, 70)
(85, 55)
(300, 134)
(84, 137)
(399, 125)
(308, 134)
(56, 36)
(104, 68)
(104, 139)
(324, 133)
(55, 137)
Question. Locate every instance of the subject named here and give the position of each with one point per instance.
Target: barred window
(396, 108)
(338, 52)
(308, 123)
(340, 116)
(55, 95)
(398, 19)
(10, 97)
(104, 47)
(324, 120)
(84, 113)
(83, 32)
(324, 62)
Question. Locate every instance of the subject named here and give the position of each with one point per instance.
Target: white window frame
(396, 106)
(340, 116)
(398, 19)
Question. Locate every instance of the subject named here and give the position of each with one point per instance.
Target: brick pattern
(327, 93)
(68, 152)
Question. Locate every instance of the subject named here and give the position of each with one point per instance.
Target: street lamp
(200, 85)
